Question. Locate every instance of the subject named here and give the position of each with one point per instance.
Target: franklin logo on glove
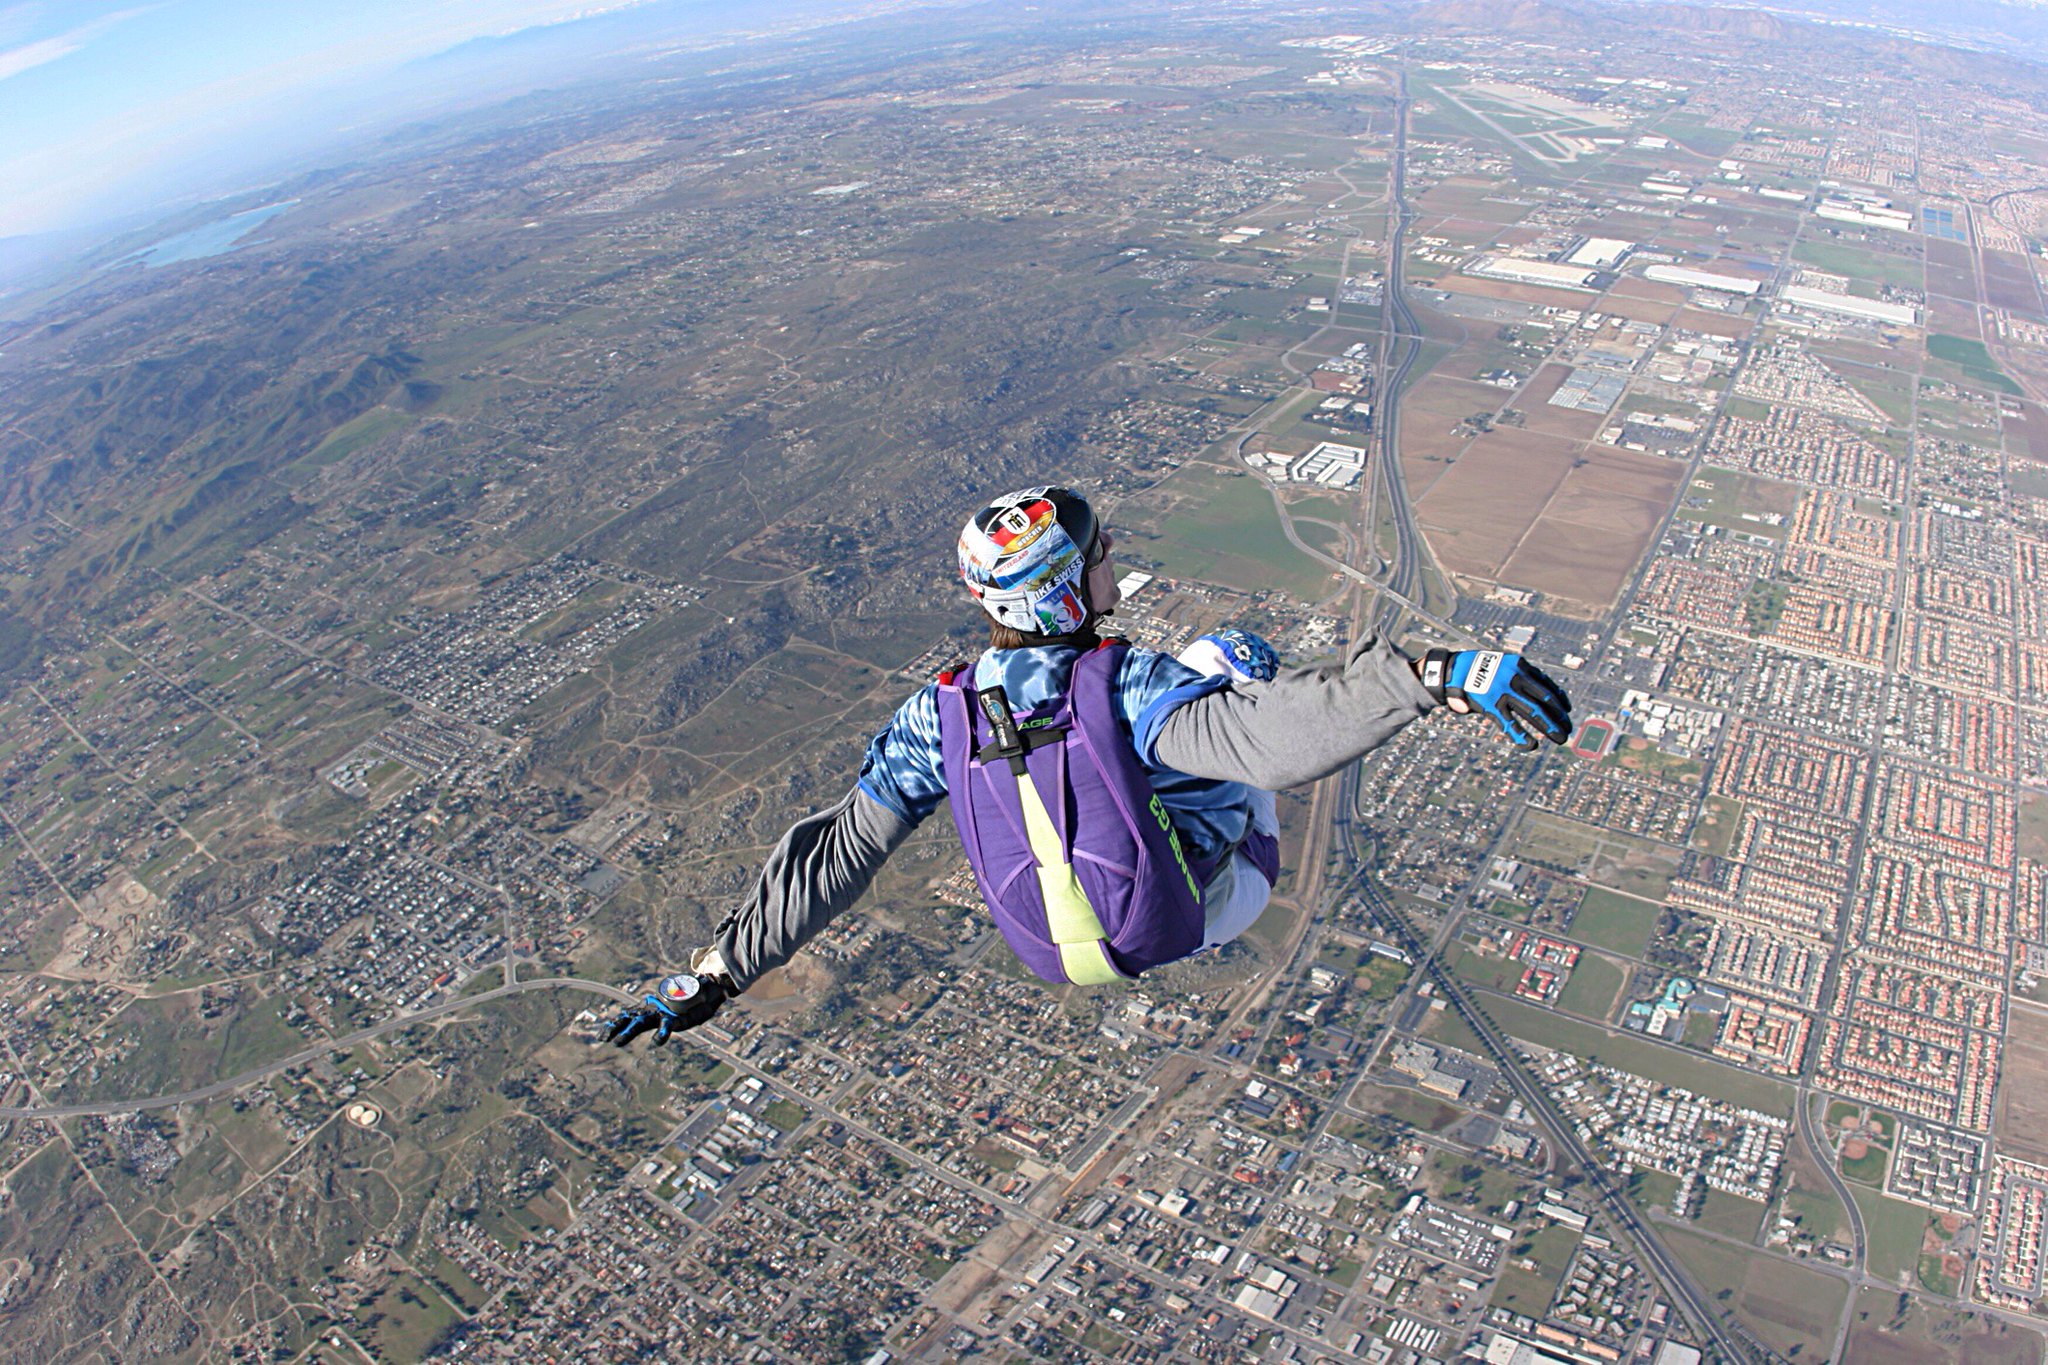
(1517, 695)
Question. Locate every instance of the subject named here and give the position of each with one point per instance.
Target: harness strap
(1070, 921)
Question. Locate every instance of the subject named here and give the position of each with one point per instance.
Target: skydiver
(1115, 803)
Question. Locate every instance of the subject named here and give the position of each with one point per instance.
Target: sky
(102, 104)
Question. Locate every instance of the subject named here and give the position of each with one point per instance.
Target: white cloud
(43, 51)
(14, 61)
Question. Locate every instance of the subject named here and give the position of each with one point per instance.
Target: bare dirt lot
(1932, 1335)
(1478, 512)
(1587, 539)
(2027, 434)
(2023, 1098)
(1713, 324)
(1643, 300)
(1518, 293)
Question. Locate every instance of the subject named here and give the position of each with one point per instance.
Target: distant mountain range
(2011, 28)
(1960, 34)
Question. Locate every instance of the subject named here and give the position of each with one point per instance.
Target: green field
(1973, 359)
(1484, 969)
(1448, 1027)
(1233, 537)
(1613, 920)
(1728, 495)
(1936, 1278)
(346, 439)
(1868, 1168)
(1409, 1108)
(1699, 137)
(1818, 1213)
(1894, 1229)
(1594, 983)
(1730, 1215)
(1649, 1189)
(1788, 1305)
(1641, 1056)
(1895, 401)
(1530, 1291)
(1877, 267)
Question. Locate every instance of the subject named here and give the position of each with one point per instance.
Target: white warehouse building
(1702, 279)
(1848, 305)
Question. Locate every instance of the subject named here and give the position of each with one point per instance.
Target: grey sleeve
(1305, 724)
(818, 870)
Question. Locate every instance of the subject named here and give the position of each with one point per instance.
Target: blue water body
(211, 239)
(1941, 223)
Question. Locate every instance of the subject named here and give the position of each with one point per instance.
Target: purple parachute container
(1138, 878)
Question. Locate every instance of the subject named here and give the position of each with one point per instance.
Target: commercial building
(1702, 279)
(1590, 390)
(1848, 305)
(1865, 215)
(1596, 252)
(1330, 464)
(1531, 272)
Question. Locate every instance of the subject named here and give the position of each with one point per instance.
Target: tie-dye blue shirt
(905, 768)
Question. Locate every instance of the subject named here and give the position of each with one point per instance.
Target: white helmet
(1026, 557)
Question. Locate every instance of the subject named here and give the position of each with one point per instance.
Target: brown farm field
(1478, 512)
(1642, 300)
(1952, 283)
(1956, 316)
(2022, 1123)
(1949, 255)
(1561, 559)
(1538, 512)
(1430, 435)
(1714, 324)
(2009, 283)
(1515, 293)
(1932, 1335)
(2027, 433)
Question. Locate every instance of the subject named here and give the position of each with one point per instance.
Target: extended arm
(819, 869)
(816, 872)
(1305, 724)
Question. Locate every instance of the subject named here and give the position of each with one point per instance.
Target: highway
(1402, 347)
(1730, 1343)
(307, 1054)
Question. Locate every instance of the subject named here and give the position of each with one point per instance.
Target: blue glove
(682, 1001)
(1506, 687)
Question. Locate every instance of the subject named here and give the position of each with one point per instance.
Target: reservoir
(210, 239)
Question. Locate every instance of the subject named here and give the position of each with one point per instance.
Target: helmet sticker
(1020, 561)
